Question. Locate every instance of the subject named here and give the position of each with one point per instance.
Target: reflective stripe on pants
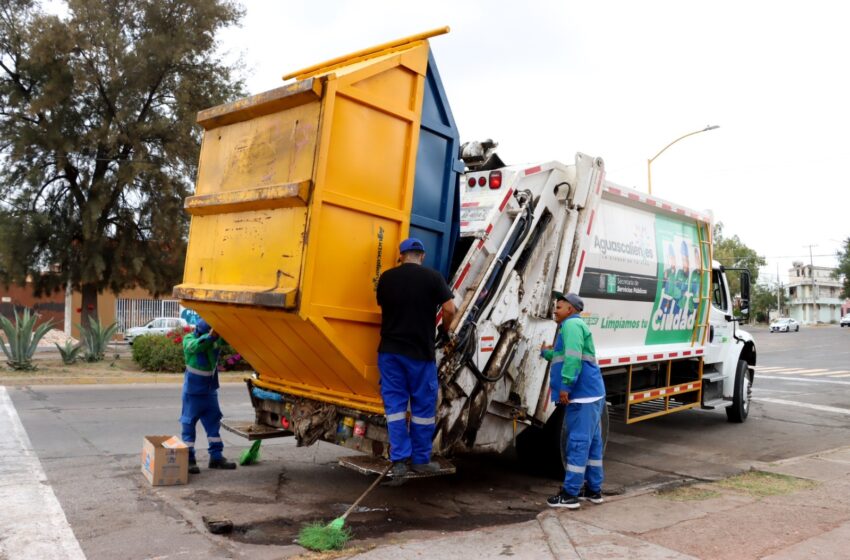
(584, 446)
(406, 382)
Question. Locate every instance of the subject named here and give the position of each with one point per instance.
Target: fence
(138, 312)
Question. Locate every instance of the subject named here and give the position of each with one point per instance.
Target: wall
(49, 307)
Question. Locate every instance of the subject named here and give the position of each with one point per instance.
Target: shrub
(23, 337)
(159, 353)
(231, 360)
(165, 353)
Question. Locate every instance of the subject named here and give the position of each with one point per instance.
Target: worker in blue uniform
(200, 395)
(576, 382)
(410, 296)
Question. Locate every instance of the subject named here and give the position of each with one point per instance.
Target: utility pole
(814, 285)
(778, 288)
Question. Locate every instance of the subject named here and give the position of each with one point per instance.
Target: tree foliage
(98, 143)
(764, 301)
(731, 252)
(844, 267)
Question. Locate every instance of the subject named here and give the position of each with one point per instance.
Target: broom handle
(363, 495)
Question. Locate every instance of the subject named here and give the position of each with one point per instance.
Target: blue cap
(411, 244)
(570, 298)
(202, 327)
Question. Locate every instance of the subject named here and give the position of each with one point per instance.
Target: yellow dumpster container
(303, 194)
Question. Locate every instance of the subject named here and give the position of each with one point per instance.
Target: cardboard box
(165, 460)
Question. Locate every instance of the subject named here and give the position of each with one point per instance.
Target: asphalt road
(88, 440)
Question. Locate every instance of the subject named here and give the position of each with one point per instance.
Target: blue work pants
(584, 446)
(206, 409)
(405, 381)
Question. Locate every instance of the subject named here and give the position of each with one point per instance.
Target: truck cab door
(720, 329)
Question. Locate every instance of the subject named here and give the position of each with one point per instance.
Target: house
(814, 294)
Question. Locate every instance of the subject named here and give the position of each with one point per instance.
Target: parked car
(845, 321)
(784, 325)
(160, 325)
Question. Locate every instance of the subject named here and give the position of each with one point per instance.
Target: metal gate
(138, 312)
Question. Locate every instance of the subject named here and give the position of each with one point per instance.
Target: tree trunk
(89, 305)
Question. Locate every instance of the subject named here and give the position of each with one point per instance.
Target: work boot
(590, 495)
(397, 474)
(564, 500)
(425, 468)
(193, 466)
(400, 469)
(222, 463)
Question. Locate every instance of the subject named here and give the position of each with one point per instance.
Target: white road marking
(34, 525)
(806, 372)
(806, 405)
(804, 379)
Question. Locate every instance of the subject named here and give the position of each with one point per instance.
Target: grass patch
(762, 484)
(689, 494)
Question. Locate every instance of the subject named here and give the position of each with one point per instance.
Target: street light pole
(650, 160)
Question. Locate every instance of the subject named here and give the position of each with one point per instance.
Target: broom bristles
(252, 455)
(319, 537)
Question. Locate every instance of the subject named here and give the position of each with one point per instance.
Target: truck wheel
(740, 408)
(565, 434)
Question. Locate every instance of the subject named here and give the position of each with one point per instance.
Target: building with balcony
(814, 294)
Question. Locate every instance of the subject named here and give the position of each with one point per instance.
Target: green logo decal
(674, 311)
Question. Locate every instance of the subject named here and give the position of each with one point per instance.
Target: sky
(620, 80)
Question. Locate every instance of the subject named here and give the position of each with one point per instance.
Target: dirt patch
(373, 524)
(761, 484)
(689, 494)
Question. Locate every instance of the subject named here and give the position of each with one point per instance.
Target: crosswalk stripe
(34, 525)
(805, 372)
(806, 405)
(805, 379)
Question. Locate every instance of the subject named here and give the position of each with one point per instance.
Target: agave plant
(70, 352)
(95, 339)
(23, 337)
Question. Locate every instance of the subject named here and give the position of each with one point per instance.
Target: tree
(98, 143)
(731, 252)
(844, 268)
(764, 300)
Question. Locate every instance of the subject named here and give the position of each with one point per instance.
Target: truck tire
(740, 408)
(564, 434)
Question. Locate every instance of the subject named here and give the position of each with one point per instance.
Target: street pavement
(87, 440)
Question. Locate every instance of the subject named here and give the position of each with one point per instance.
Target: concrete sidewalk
(794, 509)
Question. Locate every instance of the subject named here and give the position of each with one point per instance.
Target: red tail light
(495, 179)
(471, 182)
(482, 181)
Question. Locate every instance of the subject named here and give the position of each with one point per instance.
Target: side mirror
(745, 292)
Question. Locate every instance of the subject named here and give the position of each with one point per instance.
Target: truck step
(717, 403)
(712, 377)
(247, 429)
(368, 464)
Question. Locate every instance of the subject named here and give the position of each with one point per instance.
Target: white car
(784, 325)
(160, 325)
(845, 321)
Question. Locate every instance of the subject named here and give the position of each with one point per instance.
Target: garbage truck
(303, 195)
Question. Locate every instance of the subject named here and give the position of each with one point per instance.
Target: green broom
(252, 455)
(334, 535)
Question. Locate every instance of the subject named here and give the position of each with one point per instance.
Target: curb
(107, 380)
(557, 537)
